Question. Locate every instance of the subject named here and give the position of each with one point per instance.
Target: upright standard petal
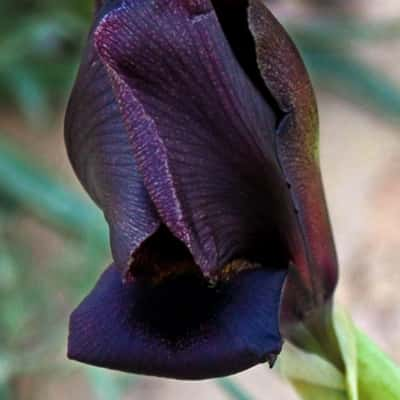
(182, 328)
(202, 134)
(102, 158)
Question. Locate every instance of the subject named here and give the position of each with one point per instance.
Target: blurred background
(53, 242)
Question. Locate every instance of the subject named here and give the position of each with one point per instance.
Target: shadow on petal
(182, 328)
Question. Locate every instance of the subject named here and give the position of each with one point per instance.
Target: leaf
(368, 373)
(4, 391)
(4, 372)
(30, 96)
(312, 392)
(233, 389)
(345, 334)
(8, 276)
(379, 377)
(32, 188)
(106, 384)
(339, 31)
(345, 75)
(309, 369)
(313, 377)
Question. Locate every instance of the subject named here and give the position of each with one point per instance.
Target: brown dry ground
(360, 156)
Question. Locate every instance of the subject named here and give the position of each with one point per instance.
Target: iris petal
(201, 133)
(297, 150)
(100, 153)
(181, 328)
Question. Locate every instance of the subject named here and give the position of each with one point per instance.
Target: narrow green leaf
(30, 96)
(338, 31)
(349, 77)
(234, 390)
(5, 372)
(34, 189)
(5, 392)
(379, 377)
(107, 384)
(310, 369)
(345, 333)
(8, 275)
(312, 392)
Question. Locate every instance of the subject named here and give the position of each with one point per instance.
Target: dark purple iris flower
(193, 125)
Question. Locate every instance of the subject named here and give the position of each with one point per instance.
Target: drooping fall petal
(181, 328)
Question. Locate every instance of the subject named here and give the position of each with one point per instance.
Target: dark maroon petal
(201, 133)
(286, 78)
(102, 157)
(182, 328)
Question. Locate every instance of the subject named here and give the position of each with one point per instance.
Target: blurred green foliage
(37, 290)
(40, 42)
(329, 48)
